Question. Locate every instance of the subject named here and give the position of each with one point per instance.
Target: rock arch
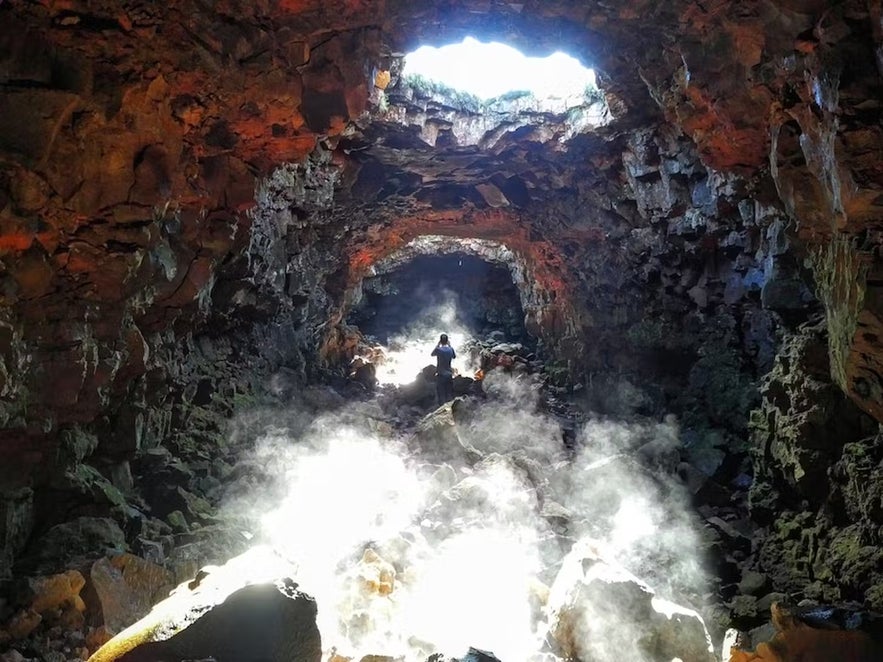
(553, 312)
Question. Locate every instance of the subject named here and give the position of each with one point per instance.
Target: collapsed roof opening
(490, 70)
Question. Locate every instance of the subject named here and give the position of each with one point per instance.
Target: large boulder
(80, 540)
(599, 611)
(222, 616)
(794, 639)
(438, 437)
(127, 587)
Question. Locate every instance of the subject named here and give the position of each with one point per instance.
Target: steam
(408, 553)
(409, 350)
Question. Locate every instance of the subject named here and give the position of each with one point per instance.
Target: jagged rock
(23, 624)
(478, 655)
(753, 583)
(365, 374)
(795, 640)
(220, 615)
(56, 591)
(127, 587)
(439, 440)
(16, 522)
(255, 623)
(463, 385)
(420, 391)
(84, 538)
(376, 575)
(119, 286)
(803, 423)
(597, 609)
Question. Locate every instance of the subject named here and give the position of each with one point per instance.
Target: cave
(481, 295)
(218, 221)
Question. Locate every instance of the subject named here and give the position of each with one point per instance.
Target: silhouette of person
(444, 374)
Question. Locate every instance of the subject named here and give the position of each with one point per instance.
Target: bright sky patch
(489, 70)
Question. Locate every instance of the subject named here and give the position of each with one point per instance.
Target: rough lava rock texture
(191, 195)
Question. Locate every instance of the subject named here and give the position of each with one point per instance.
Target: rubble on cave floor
(523, 422)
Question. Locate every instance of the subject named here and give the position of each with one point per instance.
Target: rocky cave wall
(187, 194)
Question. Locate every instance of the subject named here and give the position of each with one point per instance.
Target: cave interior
(218, 220)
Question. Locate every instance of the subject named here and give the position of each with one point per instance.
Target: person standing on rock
(444, 374)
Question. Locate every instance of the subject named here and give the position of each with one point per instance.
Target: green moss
(594, 94)
(849, 560)
(426, 87)
(840, 273)
(874, 596)
(558, 373)
(88, 480)
(657, 333)
(725, 392)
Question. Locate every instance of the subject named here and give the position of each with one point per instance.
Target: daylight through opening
(490, 70)
(405, 310)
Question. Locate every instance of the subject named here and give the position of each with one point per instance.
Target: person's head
(443, 340)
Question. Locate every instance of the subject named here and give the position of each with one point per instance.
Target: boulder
(463, 385)
(84, 538)
(438, 439)
(600, 611)
(221, 616)
(16, 523)
(478, 655)
(793, 639)
(127, 587)
(753, 583)
(56, 592)
(475, 502)
(376, 575)
(23, 623)
(364, 373)
(420, 391)
(51, 599)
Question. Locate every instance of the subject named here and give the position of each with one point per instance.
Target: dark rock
(258, 623)
(463, 385)
(804, 421)
(478, 655)
(753, 583)
(365, 375)
(16, 523)
(85, 538)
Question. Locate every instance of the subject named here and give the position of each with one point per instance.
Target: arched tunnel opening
(462, 290)
(407, 309)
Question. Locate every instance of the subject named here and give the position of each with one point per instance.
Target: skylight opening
(491, 70)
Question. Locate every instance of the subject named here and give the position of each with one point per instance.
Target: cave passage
(464, 296)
